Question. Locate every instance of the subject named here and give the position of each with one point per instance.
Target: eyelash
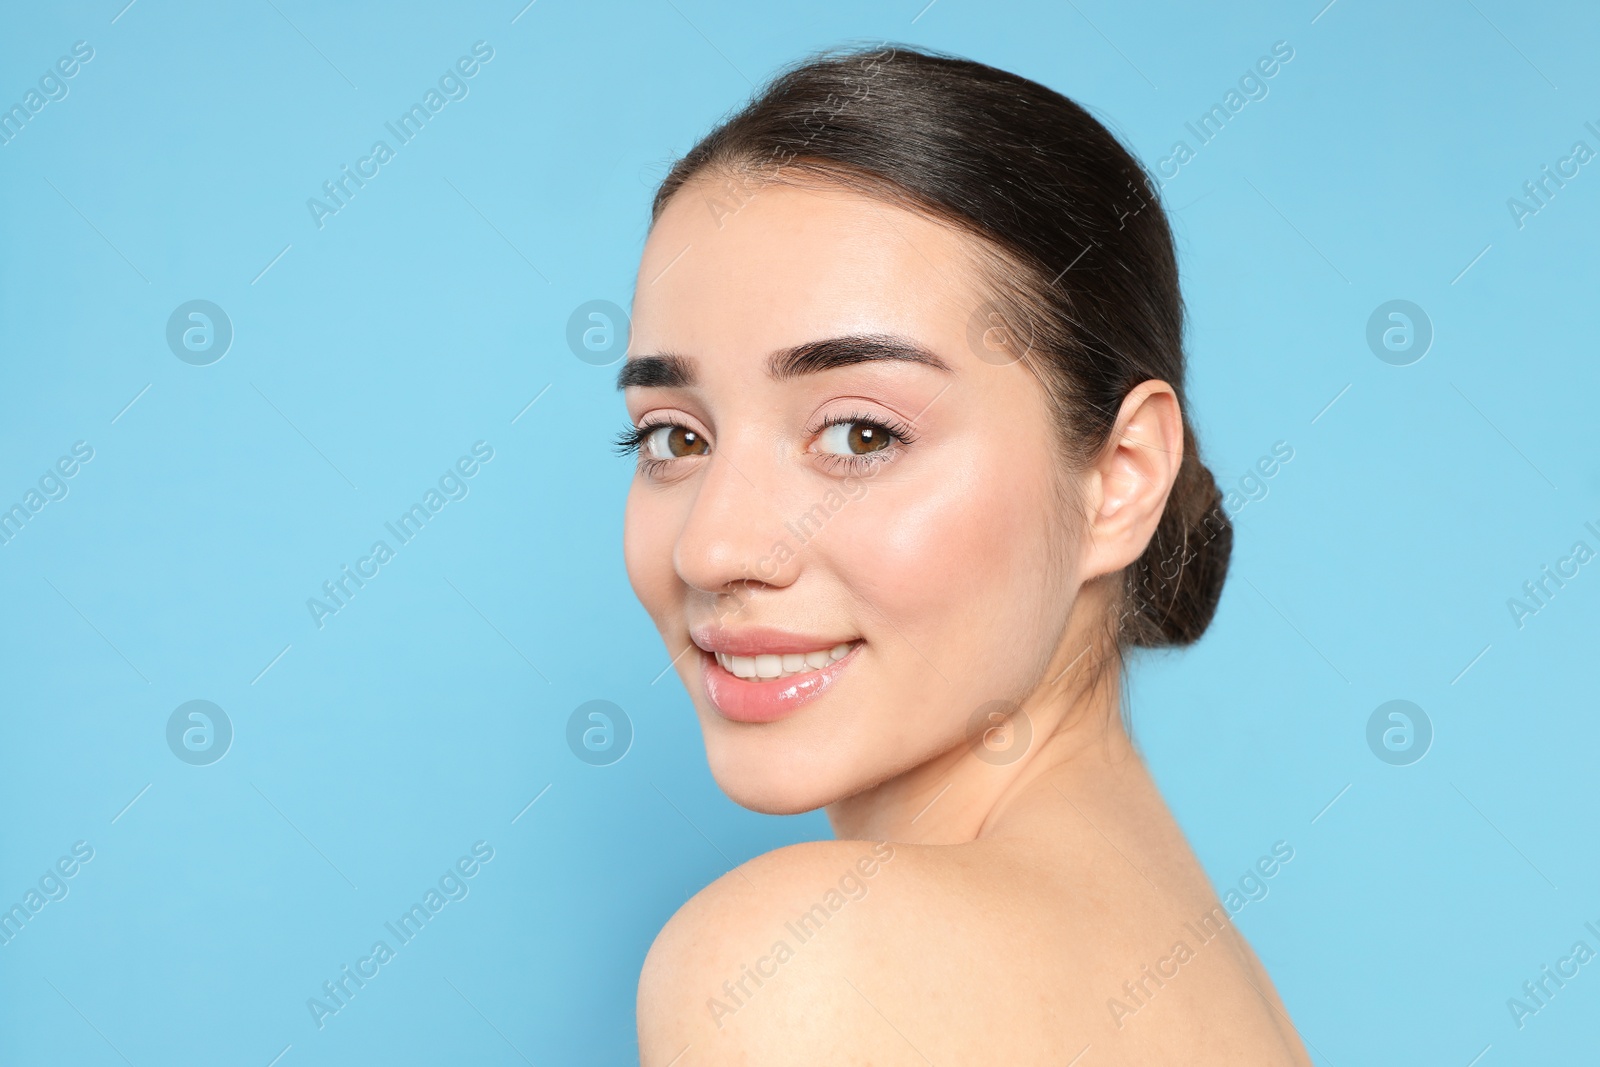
(630, 441)
(901, 435)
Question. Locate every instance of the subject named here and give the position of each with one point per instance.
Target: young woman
(906, 384)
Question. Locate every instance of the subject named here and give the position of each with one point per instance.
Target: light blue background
(430, 711)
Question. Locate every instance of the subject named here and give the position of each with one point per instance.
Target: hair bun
(1173, 589)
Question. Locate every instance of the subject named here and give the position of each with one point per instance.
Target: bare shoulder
(836, 951)
(746, 954)
(859, 952)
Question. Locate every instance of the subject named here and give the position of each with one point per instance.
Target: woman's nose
(734, 533)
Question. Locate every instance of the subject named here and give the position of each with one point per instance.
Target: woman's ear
(1130, 480)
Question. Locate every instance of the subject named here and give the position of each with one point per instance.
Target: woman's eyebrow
(659, 372)
(815, 356)
(672, 371)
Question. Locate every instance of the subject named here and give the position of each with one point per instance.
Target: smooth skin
(990, 892)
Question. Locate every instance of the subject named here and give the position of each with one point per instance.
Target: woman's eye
(673, 442)
(856, 438)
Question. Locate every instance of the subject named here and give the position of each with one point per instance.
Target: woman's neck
(1070, 728)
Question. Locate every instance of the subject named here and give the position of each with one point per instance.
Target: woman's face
(843, 519)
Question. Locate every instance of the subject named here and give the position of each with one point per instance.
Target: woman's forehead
(794, 263)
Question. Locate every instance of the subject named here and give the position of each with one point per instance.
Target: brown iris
(682, 441)
(864, 437)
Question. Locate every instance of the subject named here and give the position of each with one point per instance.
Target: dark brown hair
(1083, 273)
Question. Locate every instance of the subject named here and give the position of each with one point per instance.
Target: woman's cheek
(647, 539)
(936, 553)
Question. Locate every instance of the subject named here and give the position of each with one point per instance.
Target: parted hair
(1075, 247)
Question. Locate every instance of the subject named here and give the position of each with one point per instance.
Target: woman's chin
(774, 786)
(760, 793)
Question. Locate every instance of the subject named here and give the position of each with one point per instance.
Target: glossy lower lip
(749, 700)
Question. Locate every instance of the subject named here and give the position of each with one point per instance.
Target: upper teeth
(776, 666)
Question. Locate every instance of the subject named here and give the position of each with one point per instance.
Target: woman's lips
(756, 700)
